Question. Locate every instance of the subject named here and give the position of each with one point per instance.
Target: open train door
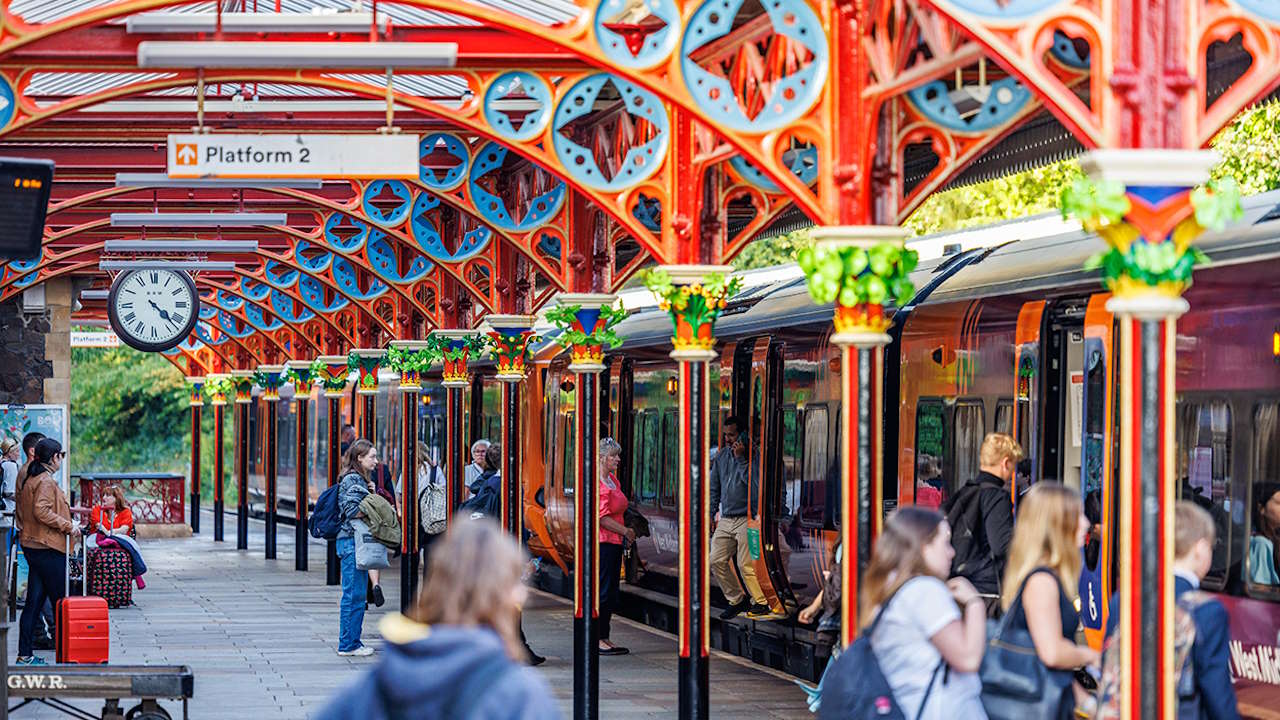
(1026, 382)
(765, 497)
(1097, 486)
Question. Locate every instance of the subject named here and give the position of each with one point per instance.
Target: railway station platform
(261, 637)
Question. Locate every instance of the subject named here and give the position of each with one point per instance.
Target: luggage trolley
(53, 685)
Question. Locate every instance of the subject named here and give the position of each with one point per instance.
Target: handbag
(370, 554)
(431, 505)
(1016, 684)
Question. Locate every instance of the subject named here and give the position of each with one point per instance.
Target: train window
(931, 439)
(815, 478)
(1204, 459)
(969, 427)
(670, 452)
(790, 462)
(649, 461)
(1262, 570)
(1004, 417)
(636, 450)
(568, 473)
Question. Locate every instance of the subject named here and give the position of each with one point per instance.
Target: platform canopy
(561, 146)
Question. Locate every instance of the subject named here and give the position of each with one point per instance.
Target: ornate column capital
(332, 371)
(197, 390)
(455, 346)
(859, 268)
(586, 323)
(410, 358)
(243, 380)
(218, 386)
(694, 296)
(366, 361)
(509, 344)
(302, 374)
(270, 378)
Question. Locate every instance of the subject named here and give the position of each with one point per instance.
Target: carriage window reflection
(1204, 464)
(1264, 500)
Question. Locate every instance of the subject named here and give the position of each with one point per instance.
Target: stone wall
(35, 350)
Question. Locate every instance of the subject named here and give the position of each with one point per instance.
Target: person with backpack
(923, 636)
(486, 489)
(357, 465)
(433, 500)
(981, 518)
(1201, 629)
(457, 652)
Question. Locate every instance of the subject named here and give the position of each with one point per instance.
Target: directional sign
(293, 156)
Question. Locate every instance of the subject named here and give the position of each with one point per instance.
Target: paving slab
(261, 639)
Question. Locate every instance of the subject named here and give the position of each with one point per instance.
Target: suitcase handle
(84, 567)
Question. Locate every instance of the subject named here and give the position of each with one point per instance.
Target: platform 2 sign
(357, 157)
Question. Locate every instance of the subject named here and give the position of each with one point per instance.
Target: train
(1010, 335)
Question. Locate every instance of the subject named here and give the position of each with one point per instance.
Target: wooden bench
(53, 685)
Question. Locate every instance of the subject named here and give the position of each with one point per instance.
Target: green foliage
(714, 287)
(1148, 263)
(224, 386)
(400, 359)
(564, 316)
(440, 346)
(852, 275)
(1095, 203)
(777, 250)
(1018, 195)
(1217, 203)
(1250, 148)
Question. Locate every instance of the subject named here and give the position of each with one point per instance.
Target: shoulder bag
(1016, 684)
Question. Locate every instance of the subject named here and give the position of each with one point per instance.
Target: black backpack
(486, 502)
(968, 533)
(855, 688)
(326, 521)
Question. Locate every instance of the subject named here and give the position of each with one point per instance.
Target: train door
(1062, 439)
(1026, 391)
(1096, 458)
(764, 499)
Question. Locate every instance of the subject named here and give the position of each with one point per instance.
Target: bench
(53, 685)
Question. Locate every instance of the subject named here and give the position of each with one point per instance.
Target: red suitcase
(84, 627)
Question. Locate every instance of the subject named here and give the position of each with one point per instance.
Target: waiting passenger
(928, 634)
(358, 463)
(981, 518)
(730, 492)
(348, 436)
(44, 516)
(613, 504)
(1040, 583)
(10, 460)
(728, 436)
(1264, 562)
(478, 465)
(457, 653)
(113, 521)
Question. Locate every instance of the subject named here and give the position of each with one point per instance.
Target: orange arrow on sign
(186, 154)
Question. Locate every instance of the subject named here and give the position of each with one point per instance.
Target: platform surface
(261, 640)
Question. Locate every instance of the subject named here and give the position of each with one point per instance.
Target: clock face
(153, 310)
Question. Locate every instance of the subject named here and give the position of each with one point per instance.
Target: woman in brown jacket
(44, 516)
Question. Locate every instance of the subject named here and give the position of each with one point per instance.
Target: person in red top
(113, 521)
(612, 531)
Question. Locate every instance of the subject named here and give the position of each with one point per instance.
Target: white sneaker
(362, 651)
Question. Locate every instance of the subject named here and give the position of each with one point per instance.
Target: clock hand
(164, 315)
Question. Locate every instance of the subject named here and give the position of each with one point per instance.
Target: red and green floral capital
(694, 296)
(270, 378)
(509, 344)
(858, 269)
(243, 382)
(332, 372)
(586, 323)
(411, 359)
(455, 347)
(197, 390)
(218, 386)
(1149, 206)
(366, 362)
(299, 373)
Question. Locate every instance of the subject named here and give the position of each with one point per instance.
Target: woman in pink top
(612, 504)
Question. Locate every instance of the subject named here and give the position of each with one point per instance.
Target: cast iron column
(270, 377)
(301, 486)
(409, 501)
(457, 460)
(197, 402)
(332, 574)
(509, 348)
(218, 469)
(244, 404)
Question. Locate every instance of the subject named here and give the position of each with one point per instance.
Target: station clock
(153, 310)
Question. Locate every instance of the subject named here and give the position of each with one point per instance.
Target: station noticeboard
(50, 420)
(252, 156)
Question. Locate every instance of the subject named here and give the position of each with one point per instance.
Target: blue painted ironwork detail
(254, 290)
(312, 290)
(427, 235)
(345, 275)
(452, 145)
(383, 260)
(1006, 9)
(284, 306)
(279, 275)
(315, 258)
(550, 245)
(801, 160)
(640, 162)
(533, 88)
(792, 95)
(8, 102)
(393, 216)
(354, 241)
(257, 317)
(1156, 194)
(494, 209)
(227, 323)
(637, 34)
(207, 312)
(1005, 98)
(226, 301)
(203, 334)
(1064, 51)
(648, 211)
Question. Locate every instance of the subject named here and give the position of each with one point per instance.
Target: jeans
(351, 611)
(46, 581)
(610, 570)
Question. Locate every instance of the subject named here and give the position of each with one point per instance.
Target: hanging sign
(217, 155)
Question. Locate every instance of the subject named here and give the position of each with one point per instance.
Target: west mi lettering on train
(251, 155)
(1258, 663)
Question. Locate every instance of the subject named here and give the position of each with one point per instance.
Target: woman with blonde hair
(927, 633)
(1041, 578)
(457, 654)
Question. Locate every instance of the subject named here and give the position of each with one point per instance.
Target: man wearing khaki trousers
(729, 498)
